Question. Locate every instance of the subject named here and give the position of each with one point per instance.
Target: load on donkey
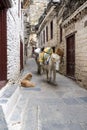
(46, 61)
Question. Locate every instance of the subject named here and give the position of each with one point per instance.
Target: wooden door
(3, 46)
(70, 41)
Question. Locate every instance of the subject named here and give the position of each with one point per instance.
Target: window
(85, 24)
(46, 33)
(44, 36)
(60, 33)
(41, 40)
(51, 29)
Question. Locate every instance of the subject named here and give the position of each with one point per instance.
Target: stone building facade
(11, 42)
(75, 42)
(70, 34)
(47, 31)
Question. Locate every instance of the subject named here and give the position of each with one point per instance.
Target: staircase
(16, 109)
(9, 96)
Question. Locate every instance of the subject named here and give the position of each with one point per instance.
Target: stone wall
(13, 42)
(50, 17)
(53, 41)
(81, 51)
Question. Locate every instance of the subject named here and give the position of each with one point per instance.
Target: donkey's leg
(47, 72)
(47, 77)
(50, 73)
(54, 74)
(38, 68)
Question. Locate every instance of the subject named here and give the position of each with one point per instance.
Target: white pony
(50, 67)
(54, 58)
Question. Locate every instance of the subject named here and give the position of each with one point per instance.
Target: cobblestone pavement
(49, 107)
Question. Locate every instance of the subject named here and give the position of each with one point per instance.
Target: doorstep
(8, 97)
(2, 83)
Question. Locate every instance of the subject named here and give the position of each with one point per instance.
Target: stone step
(15, 119)
(8, 98)
(3, 123)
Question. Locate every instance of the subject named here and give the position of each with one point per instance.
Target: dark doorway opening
(70, 55)
(3, 47)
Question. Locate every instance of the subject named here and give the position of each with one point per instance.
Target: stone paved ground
(49, 107)
(3, 124)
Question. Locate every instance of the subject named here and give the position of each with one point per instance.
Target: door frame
(3, 45)
(67, 37)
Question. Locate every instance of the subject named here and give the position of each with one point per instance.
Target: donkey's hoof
(54, 82)
(48, 80)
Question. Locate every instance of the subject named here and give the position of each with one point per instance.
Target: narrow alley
(49, 107)
(37, 35)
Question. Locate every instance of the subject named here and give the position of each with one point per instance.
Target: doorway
(70, 55)
(3, 47)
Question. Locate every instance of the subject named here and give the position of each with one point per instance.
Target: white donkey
(50, 67)
(49, 64)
